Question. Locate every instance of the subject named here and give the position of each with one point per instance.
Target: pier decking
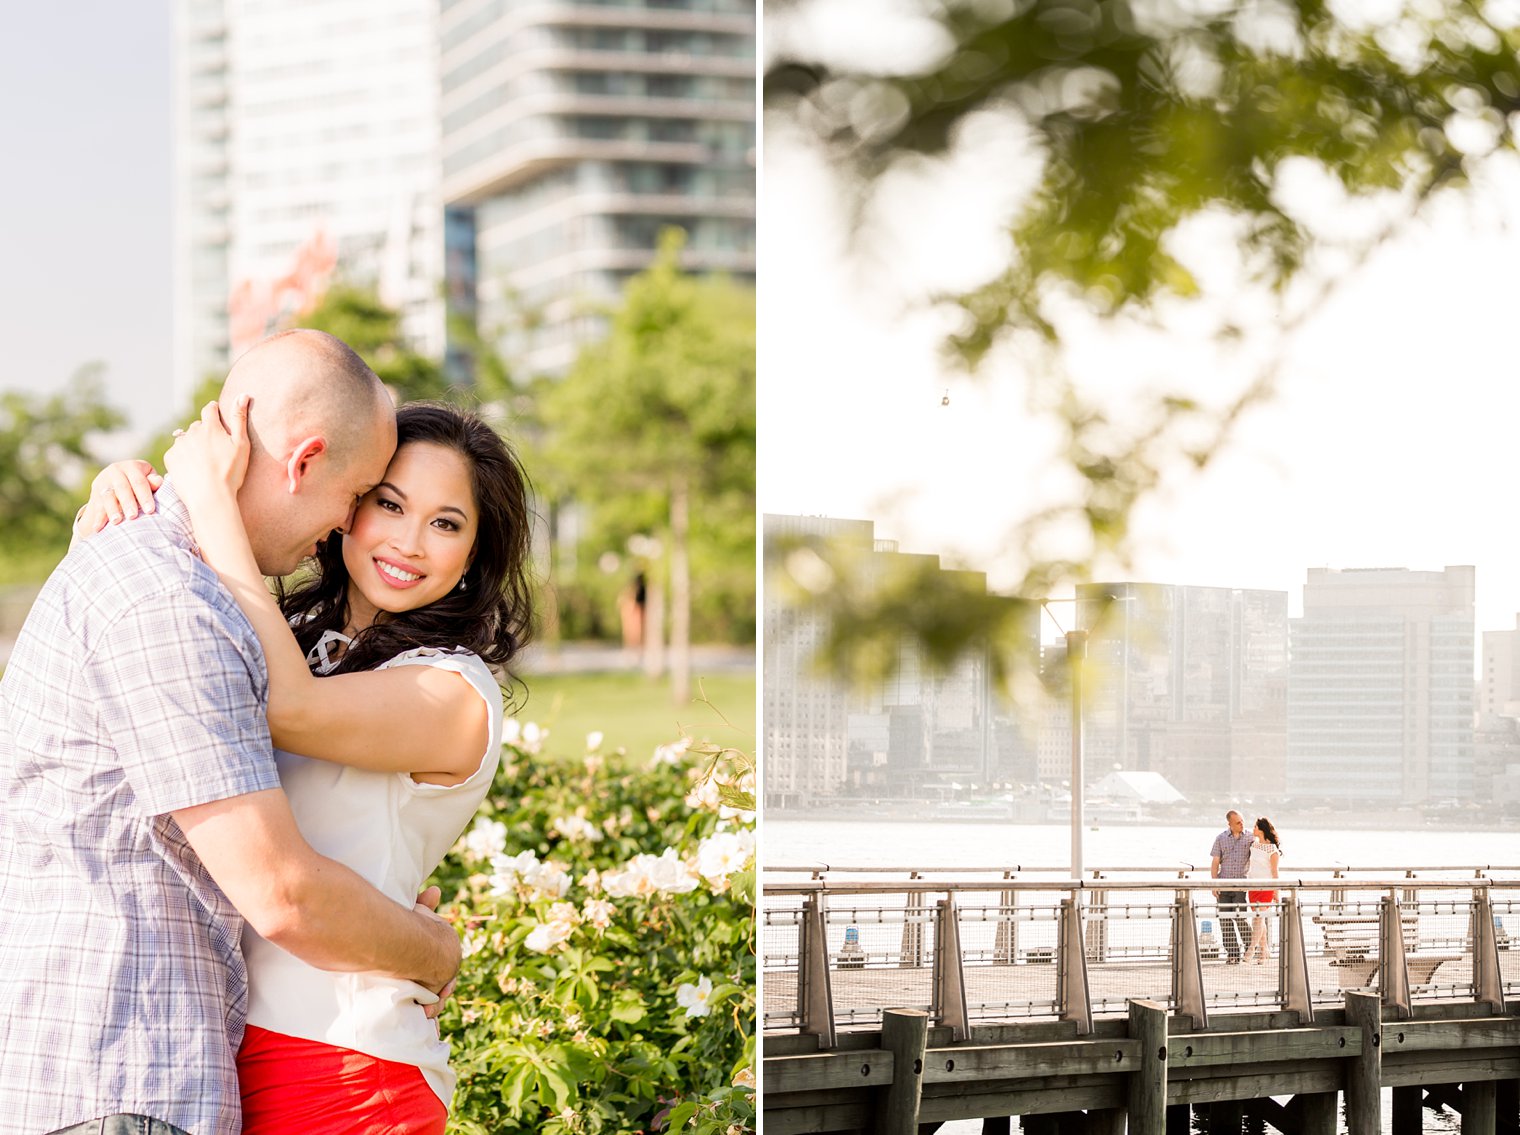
(1108, 1005)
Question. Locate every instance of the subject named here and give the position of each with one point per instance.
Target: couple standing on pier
(1236, 855)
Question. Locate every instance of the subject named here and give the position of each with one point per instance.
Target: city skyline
(1367, 695)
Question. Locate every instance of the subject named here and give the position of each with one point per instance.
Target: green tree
(653, 430)
(45, 458)
(358, 317)
(1141, 119)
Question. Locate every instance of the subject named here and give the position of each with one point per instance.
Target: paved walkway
(593, 657)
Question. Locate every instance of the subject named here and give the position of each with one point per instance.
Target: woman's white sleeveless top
(393, 832)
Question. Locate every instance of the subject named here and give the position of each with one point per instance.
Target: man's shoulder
(141, 566)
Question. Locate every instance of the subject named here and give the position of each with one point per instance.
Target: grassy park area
(636, 713)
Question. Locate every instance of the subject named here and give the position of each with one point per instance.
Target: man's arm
(1214, 867)
(307, 904)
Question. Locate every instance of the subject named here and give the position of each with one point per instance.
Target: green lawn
(637, 714)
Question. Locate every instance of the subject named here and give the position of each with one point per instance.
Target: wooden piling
(1364, 1071)
(1408, 1106)
(1318, 1112)
(905, 1034)
(1147, 1083)
(1479, 1115)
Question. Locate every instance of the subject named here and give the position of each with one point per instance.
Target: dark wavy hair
(492, 614)
(1269, 831)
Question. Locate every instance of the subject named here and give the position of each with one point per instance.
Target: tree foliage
(665, 406)
(1141, 118)
(46, 456)
(1146, 114)
(358, 317)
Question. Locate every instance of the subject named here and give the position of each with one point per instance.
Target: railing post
(1293, 962)
(1097, 926)
(912, 953)
(1488, 982)
(1005, 947)
(1071, 991)
(815, 996)
(949, 996)
(1393, 967)
(1187, 964)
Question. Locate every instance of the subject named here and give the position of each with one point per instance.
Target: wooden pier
(1150, 1073)
(1377, 984)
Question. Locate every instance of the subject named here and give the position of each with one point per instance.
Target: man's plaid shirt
(136, 688)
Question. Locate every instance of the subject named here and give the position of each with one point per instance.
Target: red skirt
(1260, 898)
(290, 1084)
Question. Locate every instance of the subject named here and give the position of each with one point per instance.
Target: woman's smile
(397, 575)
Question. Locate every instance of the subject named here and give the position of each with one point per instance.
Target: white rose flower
(486, 840)
(723, 853)
(696, 999)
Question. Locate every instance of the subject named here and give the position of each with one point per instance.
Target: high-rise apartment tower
(1380, 691)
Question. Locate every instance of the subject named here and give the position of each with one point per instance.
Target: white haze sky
(85, 207)
(1391, 441)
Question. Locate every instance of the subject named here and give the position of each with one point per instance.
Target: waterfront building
(307, 140)
(917, 733)
(509, 162)
(1380, 691)
(1499, 674)
(573, 133)
(1188, 682)
(805, 712)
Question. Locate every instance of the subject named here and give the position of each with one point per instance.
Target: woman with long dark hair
(380, 677)
(1266, 850)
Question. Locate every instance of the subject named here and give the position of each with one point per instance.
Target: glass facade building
(576, 132)
(307, 137)
(1381, 691)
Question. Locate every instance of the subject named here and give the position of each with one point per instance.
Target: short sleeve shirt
(136, 688)
(1234, 854)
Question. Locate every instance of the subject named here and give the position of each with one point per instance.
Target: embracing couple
(200, 931)
(1252, 858)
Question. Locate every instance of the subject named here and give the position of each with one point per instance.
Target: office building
(917, 733)
(1499, 675)
(1189, 682)
(307, 138)
(1380, 692)
(574, 132)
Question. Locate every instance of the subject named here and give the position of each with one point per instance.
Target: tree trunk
(680, 593)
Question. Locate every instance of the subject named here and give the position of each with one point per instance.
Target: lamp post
(1076, 658)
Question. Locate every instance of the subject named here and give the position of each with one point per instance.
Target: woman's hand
(209, 459)
(119, 492)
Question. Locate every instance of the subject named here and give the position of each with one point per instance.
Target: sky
(1390, 443)
(85, 204)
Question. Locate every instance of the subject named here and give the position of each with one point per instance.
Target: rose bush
(606, 906)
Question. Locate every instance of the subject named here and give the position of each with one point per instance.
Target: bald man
(141, 818)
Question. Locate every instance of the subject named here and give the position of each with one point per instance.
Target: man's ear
(301, 459)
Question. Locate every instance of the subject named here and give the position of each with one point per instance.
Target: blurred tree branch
(1144, 117)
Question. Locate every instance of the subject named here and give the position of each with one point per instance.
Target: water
(896, 843)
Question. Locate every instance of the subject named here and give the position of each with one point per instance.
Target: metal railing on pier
(981, 946)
